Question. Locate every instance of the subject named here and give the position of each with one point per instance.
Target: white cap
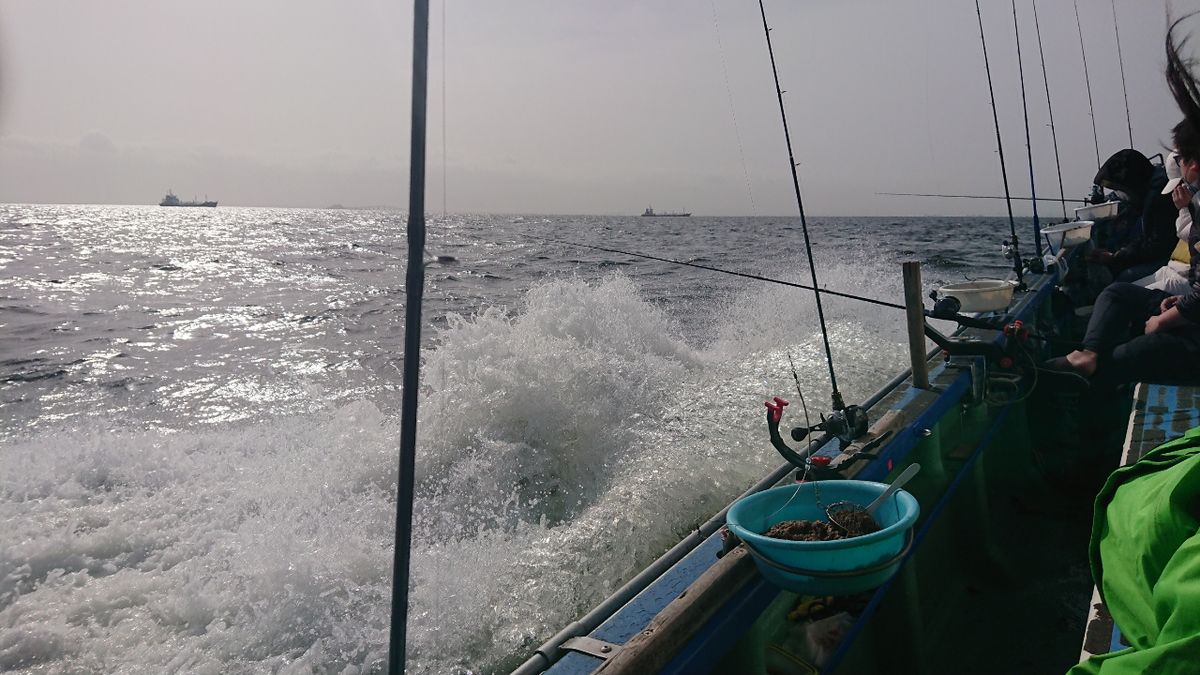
(1173, 174)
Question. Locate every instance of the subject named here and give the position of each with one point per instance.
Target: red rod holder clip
(776, 407)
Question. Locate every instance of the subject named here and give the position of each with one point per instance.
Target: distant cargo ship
(649, 213)
(172, 200)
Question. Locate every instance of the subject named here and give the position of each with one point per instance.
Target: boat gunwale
(551, 652)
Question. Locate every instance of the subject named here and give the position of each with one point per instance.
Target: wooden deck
(1160, 413)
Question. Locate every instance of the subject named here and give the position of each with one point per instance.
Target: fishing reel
(846, 424)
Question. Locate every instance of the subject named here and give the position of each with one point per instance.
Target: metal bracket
(591, 646)
(977, 366)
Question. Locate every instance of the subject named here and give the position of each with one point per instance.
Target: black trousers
(1166, 357)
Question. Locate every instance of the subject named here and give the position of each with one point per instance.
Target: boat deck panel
(1160, 413)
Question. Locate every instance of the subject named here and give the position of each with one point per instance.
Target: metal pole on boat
(414, 290)
(915, 309)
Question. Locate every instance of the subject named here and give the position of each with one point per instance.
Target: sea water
(199, 439)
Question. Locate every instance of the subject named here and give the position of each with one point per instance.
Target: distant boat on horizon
(649, 213)
(172, 200)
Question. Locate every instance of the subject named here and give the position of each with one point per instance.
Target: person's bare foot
(1083, 361)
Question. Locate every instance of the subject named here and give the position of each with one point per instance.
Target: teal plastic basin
(839, 567)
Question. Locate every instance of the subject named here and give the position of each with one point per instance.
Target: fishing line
(964, 321)
(808, 450)
(838, 404)
(1037, 230)
(732, 111)
(756, 277)
(1121, 60)
(1024, 199)
(1012, 224)
(1050, 108)
(1087, 79)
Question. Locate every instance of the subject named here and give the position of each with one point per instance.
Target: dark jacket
(1155, 235)
(1127, 171)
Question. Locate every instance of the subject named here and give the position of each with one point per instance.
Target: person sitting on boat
(1168, 350)
(1139, 240)
(1173, 277)
(1145, 547)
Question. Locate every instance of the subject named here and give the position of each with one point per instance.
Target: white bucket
(1097, 211)
(1066, 235)
(983, 295)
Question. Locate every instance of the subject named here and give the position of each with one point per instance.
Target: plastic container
(838, 567)
(1097, 211)
(983, 295)
(1066, 235)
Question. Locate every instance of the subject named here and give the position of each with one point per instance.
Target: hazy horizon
(554, 110)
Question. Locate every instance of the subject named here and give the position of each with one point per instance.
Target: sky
(569, 107)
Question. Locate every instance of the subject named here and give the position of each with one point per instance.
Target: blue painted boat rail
(629, 610)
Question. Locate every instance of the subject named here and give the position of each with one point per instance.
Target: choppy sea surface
(199, 438)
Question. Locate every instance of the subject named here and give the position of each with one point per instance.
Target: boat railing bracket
(977, 366)
(591, 646)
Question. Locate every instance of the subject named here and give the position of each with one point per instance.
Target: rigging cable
(732, 111)
(838, 404)
(1050, 108)
(1087, 79)
(1121, 60)
(1012, 224)
(414, 290)
(756, 277)
(1037, 230)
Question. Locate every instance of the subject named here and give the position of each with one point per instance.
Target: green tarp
(1145, 555)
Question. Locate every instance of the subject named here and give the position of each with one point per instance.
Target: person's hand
(1169, 302)
(1154, 323)
(1100, 256)
(1181, 195)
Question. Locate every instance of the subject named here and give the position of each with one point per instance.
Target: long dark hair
(1186, 91)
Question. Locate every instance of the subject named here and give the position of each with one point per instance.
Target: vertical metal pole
(415, 289)
(915, 308)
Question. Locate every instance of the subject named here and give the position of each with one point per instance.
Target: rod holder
(915, 309)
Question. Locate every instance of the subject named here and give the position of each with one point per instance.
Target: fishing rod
(414, 290)
(1015, 252)
(1050, 108)
(1087, 79)
(1037, 230)
(1121, 60)
(927, 194)
(873, 301)
(838, 404)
